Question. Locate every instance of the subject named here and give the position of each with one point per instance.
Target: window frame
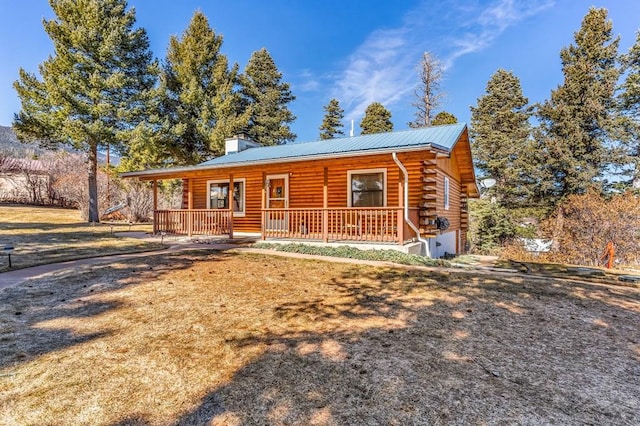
(447, 186)
(350, 173)
(239, 213)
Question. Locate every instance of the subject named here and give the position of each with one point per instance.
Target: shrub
(585, 223)
(356, 253)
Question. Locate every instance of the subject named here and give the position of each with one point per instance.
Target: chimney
(238, 143)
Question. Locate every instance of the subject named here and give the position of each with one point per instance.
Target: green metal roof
(438, 137)
(441, 138)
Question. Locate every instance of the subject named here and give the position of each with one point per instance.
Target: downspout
(424, 242)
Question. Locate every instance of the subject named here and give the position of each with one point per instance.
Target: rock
(629, 278)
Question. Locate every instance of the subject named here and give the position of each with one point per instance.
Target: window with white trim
(367, 188)
(218, 195)
(446, 193)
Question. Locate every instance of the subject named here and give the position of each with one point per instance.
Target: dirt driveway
(254, 339)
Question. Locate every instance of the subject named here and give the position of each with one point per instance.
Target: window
(446, 193)
(218, 195)
(367, 188)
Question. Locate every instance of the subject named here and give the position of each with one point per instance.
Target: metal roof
(438, 137)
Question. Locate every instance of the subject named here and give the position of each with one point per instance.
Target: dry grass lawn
(42, 235)
(233, 339)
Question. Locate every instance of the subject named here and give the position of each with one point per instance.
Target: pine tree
(428, 94)
(500, 133)
(444, 117)
(200, 105)
(93, 89)
(332, 122)
(377, 119)
(574, 122)
(268, 98)
(629, 105)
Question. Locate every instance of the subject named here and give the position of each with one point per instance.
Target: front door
(277, 198)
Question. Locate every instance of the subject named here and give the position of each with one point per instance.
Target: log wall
(306, 180)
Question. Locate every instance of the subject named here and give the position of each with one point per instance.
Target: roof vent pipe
(425, 244)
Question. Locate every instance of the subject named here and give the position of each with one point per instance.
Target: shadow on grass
(63, 244)
(381, 346)
(28, 312)
(482, 350)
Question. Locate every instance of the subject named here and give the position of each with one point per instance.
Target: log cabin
(406, 189)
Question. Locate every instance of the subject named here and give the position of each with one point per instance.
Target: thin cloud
(490, 24)
(384, 68)
(375, 71)
(308, 82)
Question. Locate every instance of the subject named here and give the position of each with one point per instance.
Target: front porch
(348, 224)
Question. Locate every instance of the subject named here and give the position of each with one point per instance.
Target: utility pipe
(424, 242)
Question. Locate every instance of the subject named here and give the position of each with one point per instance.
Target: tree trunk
(93, 183)
(558, 228)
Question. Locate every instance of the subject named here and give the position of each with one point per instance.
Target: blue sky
(355, 51)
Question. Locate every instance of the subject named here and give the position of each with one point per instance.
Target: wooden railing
(193, 222)
(383, 224)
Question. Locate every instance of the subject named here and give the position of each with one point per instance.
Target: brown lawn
(232, 339)
(42, 235)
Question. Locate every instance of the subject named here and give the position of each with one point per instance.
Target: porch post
(155, 206)
(190, 208)
(231, 201)
(263, 206)
(401, 201)
(325, 206)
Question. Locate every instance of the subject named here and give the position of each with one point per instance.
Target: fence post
(400, 226)
(156, 217)
(325, 225)
(231, 198)
(155, 206)
(325, 206)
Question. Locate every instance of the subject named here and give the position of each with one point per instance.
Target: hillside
(12, 147)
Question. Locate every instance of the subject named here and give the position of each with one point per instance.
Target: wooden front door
(277, 198)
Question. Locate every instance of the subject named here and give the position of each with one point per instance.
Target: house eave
(171, 172)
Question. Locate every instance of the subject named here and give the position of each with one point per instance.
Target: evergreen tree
(491, 225)
(428, 94)
(574, 122)
(267, 97)
(377, 119)
(332, 122)
(93, 89)
(629, 105)
(444, 117)
(501, 143)
(199, 103)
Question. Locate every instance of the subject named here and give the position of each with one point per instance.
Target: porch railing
(382, 224)
(193, 222)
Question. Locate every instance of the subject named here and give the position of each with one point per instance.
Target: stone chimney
(239, 143)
